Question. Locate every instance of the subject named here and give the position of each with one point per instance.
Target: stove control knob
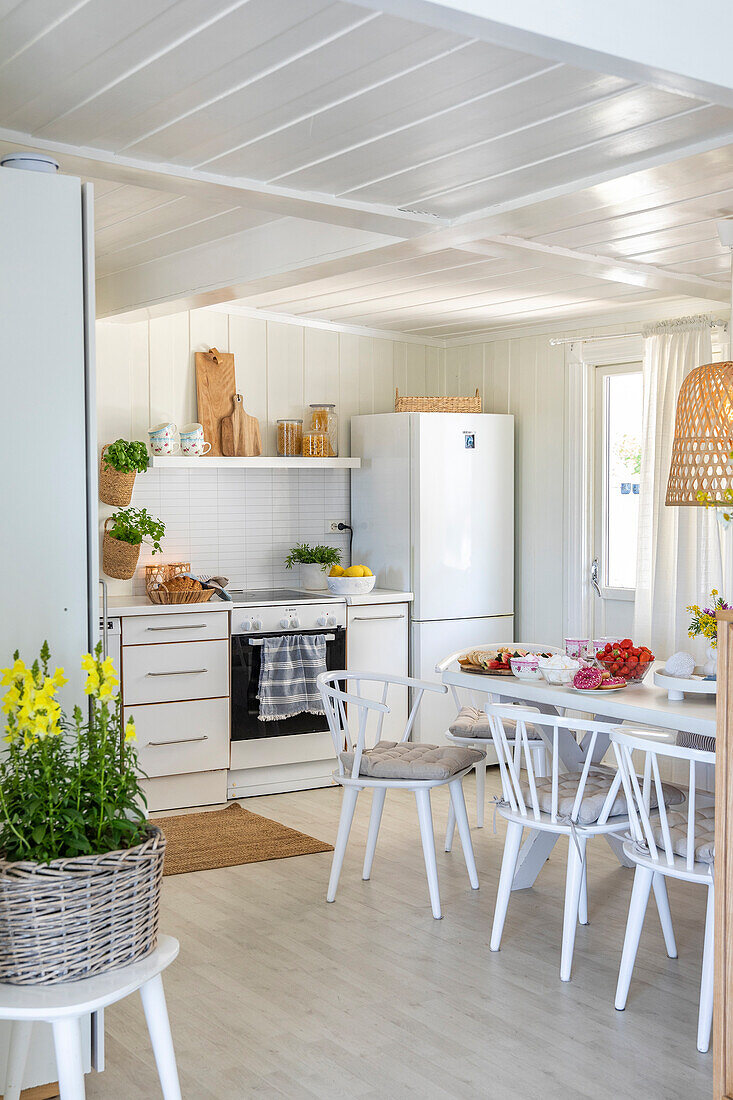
(330, 621)
(285, 622)
(246, 624)
(322, 620)
(295, 621)
(257, 624)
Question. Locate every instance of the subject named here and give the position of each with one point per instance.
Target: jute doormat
(227, 838)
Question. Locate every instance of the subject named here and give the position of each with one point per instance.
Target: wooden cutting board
(240, 432)
(215, 389)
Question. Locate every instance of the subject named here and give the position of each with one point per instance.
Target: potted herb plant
(314, 562)
(80, 866)
(122, 541)
(119, 464)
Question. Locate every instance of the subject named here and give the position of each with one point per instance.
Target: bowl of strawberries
(624, 658)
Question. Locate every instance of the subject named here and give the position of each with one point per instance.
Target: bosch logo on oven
(469, 441)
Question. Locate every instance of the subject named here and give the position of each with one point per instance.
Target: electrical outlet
(334, 525)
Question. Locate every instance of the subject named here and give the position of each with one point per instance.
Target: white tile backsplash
(241, 523)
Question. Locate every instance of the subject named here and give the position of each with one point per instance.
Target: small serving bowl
(350, 586)
(526, 668)
(557, 676)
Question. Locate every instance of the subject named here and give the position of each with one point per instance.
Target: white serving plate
(677, 686)
(599, 691)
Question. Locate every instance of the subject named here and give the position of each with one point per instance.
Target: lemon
(354, 571)
(366, 572)
(336, 571)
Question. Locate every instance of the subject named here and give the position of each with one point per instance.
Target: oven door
(246, 660)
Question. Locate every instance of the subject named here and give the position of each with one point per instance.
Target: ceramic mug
(192, 440)
(162, 439)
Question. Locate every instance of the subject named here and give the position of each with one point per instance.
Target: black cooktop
(273, 595)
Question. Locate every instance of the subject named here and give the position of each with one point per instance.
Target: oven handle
(259, 641)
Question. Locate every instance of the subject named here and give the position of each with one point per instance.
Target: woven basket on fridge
(437, 404)
(72, 918)
(119, 559)
(115, 486)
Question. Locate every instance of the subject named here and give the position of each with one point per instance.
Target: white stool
(63, 1006)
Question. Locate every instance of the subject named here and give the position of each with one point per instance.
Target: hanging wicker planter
(115, 486)
(119, 559)
(72, 918)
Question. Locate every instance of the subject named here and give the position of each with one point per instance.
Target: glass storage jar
(316, 445)
(289, 437)
(324, 419)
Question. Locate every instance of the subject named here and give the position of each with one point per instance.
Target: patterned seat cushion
(597, 786)
(408, 760)
(704, 833)
(474, 723)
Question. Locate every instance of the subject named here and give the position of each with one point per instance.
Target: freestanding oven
(292, 753)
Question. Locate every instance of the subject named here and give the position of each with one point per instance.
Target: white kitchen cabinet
(376, 641)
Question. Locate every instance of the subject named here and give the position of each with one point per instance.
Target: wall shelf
(262, 462)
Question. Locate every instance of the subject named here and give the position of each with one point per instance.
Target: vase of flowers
(703, 623)
(314, 561)
(80, 866)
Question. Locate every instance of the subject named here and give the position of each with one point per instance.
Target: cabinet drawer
(167, 673)
(387, 613)
(179, 626)
(174, 738)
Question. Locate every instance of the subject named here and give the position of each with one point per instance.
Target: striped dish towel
(288, 671)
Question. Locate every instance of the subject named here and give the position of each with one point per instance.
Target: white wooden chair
(678, 842)
(477, 699)
(404, 765)
(579, 805)
(64, 1005)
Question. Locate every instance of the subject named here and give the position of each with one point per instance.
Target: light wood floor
(277, 994)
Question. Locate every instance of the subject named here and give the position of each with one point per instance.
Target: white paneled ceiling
(204, 119)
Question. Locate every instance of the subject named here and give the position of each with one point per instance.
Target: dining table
(644, 704)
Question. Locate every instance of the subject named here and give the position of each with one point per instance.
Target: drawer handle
(259, 641)
(184, 626)
(374, 618)
(179, 672)
(179, 741)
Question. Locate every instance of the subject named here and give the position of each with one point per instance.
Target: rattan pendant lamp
(701, 470)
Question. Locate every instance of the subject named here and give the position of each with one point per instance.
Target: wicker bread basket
(437, 404)
(119, 559)
(115, 486)
(190, 595)
(72, 918)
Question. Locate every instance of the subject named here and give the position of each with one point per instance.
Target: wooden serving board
(240, 432)
(466, 666)
(215, 390)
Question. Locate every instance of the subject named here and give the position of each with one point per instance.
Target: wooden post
(723, 1018)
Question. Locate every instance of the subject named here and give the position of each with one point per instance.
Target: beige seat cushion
(704, 833)
(597, 786)
(474, 723)
(408, 760)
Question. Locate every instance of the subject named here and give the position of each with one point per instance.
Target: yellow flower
(108, 667)
(11, 699)
(713, 592)
(88, 662)
(92, 685)
(15, 673)
(58, 679)
(130, 734)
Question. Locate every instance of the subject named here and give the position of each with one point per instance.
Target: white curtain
(678, 551)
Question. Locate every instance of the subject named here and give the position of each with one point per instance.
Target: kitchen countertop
(379, 595)
(123, 606)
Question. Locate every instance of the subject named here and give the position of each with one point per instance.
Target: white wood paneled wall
(145, 371)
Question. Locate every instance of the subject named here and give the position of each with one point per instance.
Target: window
(619, 397)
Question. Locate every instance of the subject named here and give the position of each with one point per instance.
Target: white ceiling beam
(219, 271)
(283, 201)
(629, 273)
(671, 44)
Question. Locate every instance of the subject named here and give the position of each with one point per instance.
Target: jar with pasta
(289, 437)
(324, 419)
(316, 445)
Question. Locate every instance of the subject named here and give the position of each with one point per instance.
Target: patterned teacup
(163, 439)
(192, 440)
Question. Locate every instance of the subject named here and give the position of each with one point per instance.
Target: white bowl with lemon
(354, 581)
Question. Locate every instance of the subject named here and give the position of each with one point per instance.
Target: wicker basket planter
(119, 559)
(115, 486)
(72, 918)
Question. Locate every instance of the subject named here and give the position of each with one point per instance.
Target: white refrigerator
(433, 513)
